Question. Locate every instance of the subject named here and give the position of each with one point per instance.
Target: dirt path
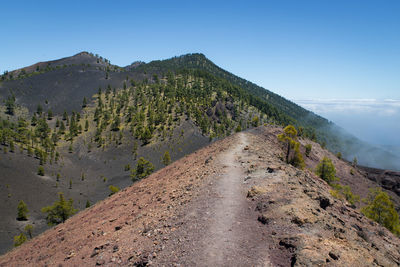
(220, 227)
(228, 235)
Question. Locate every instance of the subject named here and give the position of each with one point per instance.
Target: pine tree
(382, 210)
(60, 211)
(326, 170)
(10, 105)
(40, 171)
(86, 125)
(84, 102)
(297, 159)
(49, 114)
(29, 229)
(142, 170)
(166, 159)
(22, 211)
(146, 136)
(288, 137)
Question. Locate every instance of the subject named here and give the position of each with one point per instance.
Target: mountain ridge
(84, 81)
(295, 220)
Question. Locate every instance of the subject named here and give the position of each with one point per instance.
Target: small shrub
(29, 229)
(297, 159)
(113, 189)
(19, 239)
(166, 159)
(308, 149)
(326, 170)
(60, 211)
(381, 209)
(40, 171)
(143, 169)
(22, 211)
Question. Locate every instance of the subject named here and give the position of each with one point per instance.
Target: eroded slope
(232, 203)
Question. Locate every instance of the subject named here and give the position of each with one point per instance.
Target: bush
(19, 239)
(238, 128)
(40, 171)
(255, 121)
(113, 189)
(297, 159)
(288, 137)
(22, 211)
(381, 209)
(142, 170)
(28, 229)
(166, 159)
(60, 211)
(348, 194)
(326, 170)
(308, 149)
(344, 192)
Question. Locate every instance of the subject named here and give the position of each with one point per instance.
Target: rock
(255, 190)
(297, 220)
(324, 202)
(388, 183)
(333, 256)
(117, 228)
(271, 169)
(288, 243)
(100, 262)
(263, 219)
(70, 255)
(246, 148)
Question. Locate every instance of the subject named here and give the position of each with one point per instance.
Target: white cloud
(386, 107)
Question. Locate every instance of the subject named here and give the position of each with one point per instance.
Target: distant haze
(374, 121)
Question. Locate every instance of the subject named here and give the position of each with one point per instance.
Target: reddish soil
(233, 203)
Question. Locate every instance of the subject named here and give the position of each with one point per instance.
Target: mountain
(82, 126)
(233, 203)
(61, 85)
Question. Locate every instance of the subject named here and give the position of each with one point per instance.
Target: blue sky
(299, 49)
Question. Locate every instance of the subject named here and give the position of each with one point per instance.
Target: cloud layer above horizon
(375, 121)
(386, 107)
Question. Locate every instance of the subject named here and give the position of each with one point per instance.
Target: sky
(309, 50)
(298, 49)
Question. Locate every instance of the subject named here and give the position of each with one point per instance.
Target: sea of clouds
(372, 120)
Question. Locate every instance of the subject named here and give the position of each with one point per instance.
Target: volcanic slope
(232, 203)
(62, 84)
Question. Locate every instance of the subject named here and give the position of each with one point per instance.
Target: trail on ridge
(219, 228)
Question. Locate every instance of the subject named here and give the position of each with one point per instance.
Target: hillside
(80, 125)
(234, 202)
(61, 85)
